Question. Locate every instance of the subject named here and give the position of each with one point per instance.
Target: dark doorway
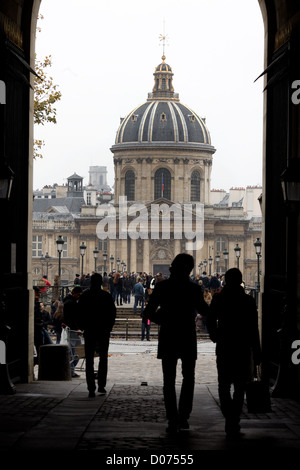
(161, 268)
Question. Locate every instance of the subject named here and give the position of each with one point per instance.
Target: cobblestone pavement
(130, 418)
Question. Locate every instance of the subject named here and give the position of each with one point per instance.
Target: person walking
(173, 305)
(232, 324)
(97, 314)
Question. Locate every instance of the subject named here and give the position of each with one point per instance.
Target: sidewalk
(130, 418)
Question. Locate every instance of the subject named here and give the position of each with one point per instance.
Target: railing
(53, 293)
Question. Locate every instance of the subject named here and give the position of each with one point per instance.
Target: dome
(162, 119)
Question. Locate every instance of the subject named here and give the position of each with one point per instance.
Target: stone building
(163, 159)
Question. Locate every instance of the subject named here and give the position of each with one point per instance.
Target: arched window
(130, 185)
(195, 186)
(162, 184)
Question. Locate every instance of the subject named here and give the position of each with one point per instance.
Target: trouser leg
(187, 388)
(103, 362)
(89, 347)
(169, 375)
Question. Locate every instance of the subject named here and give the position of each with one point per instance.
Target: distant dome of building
(162, 120)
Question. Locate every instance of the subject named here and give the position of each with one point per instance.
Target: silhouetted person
(97, 315)
(233, 325)
(173, 305)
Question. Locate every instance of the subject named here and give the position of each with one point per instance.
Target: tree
(46, 95)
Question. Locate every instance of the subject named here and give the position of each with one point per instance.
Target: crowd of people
(181, 304)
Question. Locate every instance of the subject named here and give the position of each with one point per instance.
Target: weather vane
(163, 37)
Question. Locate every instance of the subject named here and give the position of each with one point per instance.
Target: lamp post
(118, 264)
(59, 243)
(257, 245)
(82, 252)
(217, 261)
(96, 254)
(47, 258)
(225, 254)
(122, 264)
(237, 254)
(205, 264)
(210, 260)
(111, 259)
(104, 259)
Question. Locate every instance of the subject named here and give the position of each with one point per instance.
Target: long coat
(233, 325)
(173, 305)
(97, 313)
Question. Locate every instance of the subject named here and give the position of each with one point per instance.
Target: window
(220, 244)
(162, 184)
(89, 199)
(65, 247)
(102, 245)
(195, 186)
(130, 185)
(37, 246)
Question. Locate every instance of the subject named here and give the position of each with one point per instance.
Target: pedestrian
(173, 305)
(97, 314)
(233, 325)
(145, 328)
(71, 319)
(139, 295)
(38, 324)
(58, 319)
(76, 281)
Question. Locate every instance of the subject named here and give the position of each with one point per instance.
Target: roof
(63, 205)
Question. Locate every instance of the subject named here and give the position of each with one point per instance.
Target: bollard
(54, 362)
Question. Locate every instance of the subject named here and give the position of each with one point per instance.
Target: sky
(103, 59)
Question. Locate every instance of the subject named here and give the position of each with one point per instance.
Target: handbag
(258, 395)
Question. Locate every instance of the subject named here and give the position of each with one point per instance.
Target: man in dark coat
(233, 325)
(97, 314)
(173, 305)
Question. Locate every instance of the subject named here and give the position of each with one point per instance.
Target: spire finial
(163, 37)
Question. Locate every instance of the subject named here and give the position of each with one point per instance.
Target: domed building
(163, 160)
(163, 148)
(163, 204)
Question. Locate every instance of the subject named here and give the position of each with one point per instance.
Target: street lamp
(210, 260)
(104, 259)
(257, 245)
(47, 258)
(96, 253)
(237, 254)
(82, 252)
(205, 264)
(118, 264)
(123, 264)
(217, 261)
(111, 259)
(225, 254)
(59, 243)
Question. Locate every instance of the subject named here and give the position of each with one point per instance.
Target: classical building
(163, 159)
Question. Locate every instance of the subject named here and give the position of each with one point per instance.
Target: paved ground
(130, 419)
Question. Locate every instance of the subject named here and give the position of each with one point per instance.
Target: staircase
(128, 324)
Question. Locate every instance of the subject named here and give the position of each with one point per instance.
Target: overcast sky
(104, 55)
